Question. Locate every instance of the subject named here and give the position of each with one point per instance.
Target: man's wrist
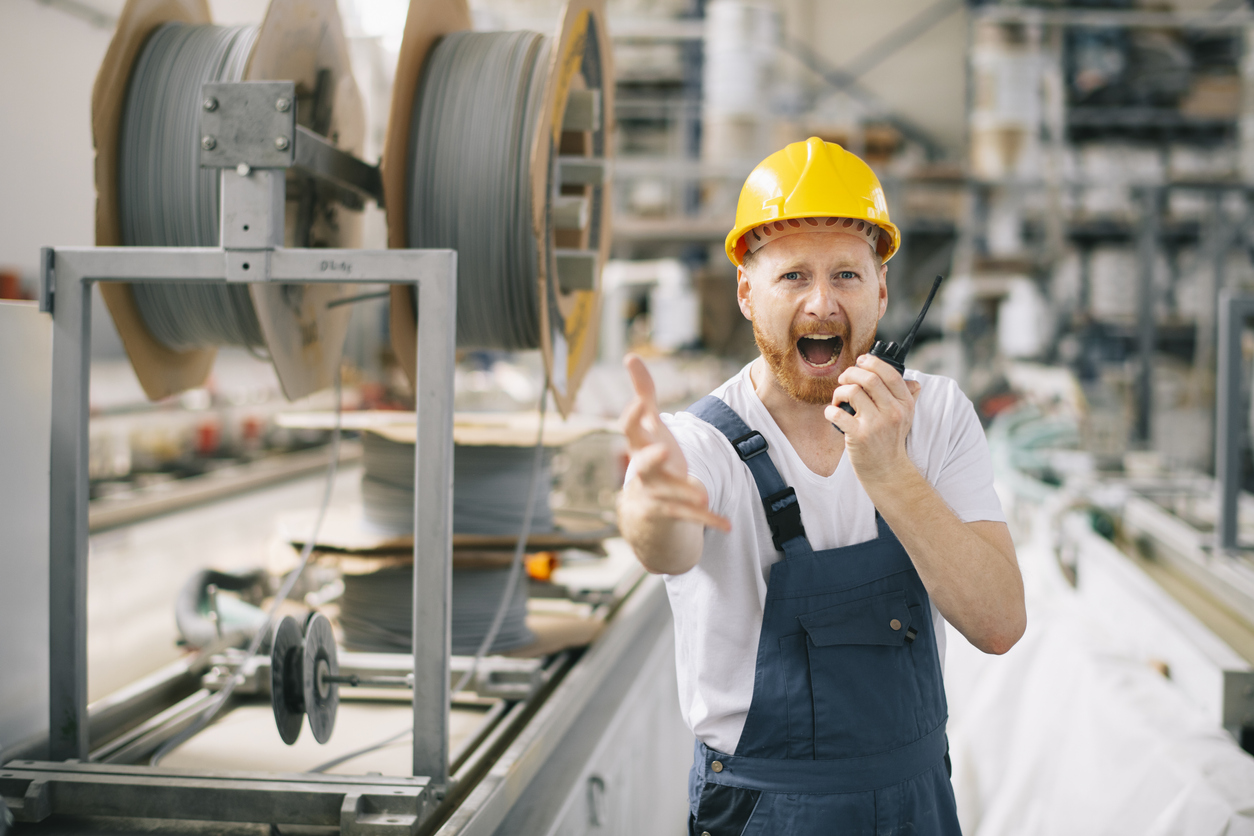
(893, 481)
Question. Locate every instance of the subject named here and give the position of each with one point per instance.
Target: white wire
(285, 590)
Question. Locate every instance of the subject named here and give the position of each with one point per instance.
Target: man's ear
(883, 290)
(742, 293)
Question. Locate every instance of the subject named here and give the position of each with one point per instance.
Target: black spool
(287, 693)
(300, 668)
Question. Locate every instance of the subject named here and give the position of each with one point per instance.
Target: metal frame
(1234, 309)
(253, 207)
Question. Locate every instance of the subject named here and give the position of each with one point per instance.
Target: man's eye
(792, 276)
(846, 274)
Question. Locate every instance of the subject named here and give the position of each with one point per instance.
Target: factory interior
(375, 491)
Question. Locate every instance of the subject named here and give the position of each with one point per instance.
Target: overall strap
(783, 514)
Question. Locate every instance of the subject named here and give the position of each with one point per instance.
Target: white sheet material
(1068, 735)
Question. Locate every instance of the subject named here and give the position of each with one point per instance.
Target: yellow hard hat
(811, 179)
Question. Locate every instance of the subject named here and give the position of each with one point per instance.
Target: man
(811, 556)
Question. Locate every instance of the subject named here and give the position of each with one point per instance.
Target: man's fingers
(880, 380)
(641, 380)
(870, 383)
(678, 493)
(892, 379)
(855, 396)
(843, 420)
(668, 494)
(650, 461)
(634, 425)
(658, 461)
(914, 386)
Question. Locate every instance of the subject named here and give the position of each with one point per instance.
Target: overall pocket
(863, 677)
(798, 701)
(723, 810)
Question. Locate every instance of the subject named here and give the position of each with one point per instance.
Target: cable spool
(287, 694)
(151, 191)
(528, 277)
(164, 198)
(322, 696)
(376, 611)
(473, 117)
(489, 487)
(301, 672)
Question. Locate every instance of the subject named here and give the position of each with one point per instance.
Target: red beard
(783, 360)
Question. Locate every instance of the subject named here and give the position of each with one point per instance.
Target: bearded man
(812, 557)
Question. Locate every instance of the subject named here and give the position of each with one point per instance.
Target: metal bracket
(248, 123)
(247, 265)
(349, 176)
(582, 171)
(576, 269)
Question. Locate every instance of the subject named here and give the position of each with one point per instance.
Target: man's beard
(782, 359)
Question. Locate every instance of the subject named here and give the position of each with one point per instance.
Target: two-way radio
(894, 354)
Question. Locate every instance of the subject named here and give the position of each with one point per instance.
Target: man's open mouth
(820, 350)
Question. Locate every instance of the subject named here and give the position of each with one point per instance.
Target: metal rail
(1230, 414)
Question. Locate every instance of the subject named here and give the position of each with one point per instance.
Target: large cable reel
(562, 164)
(170, 46)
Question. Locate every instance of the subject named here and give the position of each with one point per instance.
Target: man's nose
(822, 301)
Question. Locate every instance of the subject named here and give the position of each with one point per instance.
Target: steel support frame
(1234, 309)
(69, 275)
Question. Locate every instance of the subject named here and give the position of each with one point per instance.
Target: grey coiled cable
(377, 611)
(489, 487)
(496, 491)
(165, 199)
(474, 120)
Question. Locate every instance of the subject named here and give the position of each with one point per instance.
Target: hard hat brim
(735, 247)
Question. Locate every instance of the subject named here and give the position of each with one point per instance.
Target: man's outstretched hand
(660, 505)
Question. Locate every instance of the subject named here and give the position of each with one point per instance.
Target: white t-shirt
(718, 604)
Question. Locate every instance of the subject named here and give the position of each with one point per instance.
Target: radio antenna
(909, 340)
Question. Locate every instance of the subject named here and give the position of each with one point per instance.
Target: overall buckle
(783, 515)
(749, 445)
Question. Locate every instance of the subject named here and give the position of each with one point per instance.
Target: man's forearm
(974, 583)
(664, 545)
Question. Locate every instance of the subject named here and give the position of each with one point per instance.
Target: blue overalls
(846, 729)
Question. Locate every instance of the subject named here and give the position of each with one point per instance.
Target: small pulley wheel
(287, 680)
(321, 696)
